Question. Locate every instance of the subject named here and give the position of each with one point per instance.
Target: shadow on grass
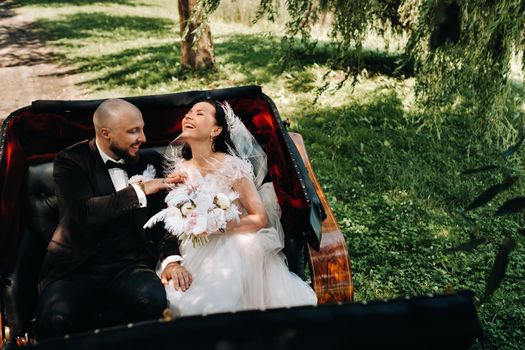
(379, 144)
(59, 3)
(252, 55)
(267, 50)
(251, 58)
(143, 67)
(255, 55)
(100, 25)
(5, 10)
(21, 46)
(254, 58)
(390, 186)
(375, 62)
(261, 59)
(135, 68)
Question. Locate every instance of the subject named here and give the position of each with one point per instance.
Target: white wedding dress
(242, 271)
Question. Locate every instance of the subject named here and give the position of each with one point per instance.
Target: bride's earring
(212, 139)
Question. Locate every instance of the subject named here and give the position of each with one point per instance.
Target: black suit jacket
(90, 207)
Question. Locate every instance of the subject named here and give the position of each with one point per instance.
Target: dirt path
(26, 71)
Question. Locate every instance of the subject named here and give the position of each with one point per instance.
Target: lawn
(393, 181)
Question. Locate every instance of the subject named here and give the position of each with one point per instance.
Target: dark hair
(221, 141)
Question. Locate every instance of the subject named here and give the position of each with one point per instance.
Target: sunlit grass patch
(84, 28)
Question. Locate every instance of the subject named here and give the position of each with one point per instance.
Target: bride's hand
(156, 185)
(180, 277)
(178, 177)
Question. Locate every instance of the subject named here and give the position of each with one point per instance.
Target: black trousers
(69, 305)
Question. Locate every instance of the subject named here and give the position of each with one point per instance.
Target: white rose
(222, 201)
(187, 208)
(216, 220)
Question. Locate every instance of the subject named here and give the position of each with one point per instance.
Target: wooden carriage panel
(330, 266)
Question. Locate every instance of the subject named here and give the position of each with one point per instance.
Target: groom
(99, 253)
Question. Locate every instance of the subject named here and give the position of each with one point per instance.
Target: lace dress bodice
(223, 176)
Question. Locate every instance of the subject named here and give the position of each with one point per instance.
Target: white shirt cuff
(143, 201)
(169, 260)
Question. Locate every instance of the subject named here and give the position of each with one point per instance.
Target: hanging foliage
(462, 50)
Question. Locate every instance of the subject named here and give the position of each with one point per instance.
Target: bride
(240, 266)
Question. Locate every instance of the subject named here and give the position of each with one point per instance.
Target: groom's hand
(180, 277)
(155, 185)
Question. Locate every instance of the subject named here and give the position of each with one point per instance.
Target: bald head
(112, 112)
(119, 129)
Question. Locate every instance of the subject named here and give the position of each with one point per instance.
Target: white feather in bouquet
(195, 211)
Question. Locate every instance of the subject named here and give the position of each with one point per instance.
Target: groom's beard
(124, 154)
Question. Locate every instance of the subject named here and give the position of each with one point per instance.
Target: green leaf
(490, 193)
(499, 268)
(467, 246)
(511, 150)
(512, 206)
(482, 169)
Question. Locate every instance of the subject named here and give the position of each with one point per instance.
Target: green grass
(392, 183)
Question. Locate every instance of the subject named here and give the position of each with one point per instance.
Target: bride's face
(199, 123)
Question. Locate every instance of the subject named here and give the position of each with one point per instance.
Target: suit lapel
(140, 215)
(102, 178)
(137, 169)
(105, 186)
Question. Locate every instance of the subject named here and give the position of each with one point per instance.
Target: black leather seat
(40, 217)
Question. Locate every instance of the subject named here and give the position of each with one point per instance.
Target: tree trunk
(200, 55)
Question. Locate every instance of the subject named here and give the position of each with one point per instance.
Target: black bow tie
(111, 165)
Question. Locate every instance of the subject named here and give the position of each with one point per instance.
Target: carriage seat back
(39, 219)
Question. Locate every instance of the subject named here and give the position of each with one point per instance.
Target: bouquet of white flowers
(194, 211)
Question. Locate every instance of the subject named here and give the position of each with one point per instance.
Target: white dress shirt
(119, 177)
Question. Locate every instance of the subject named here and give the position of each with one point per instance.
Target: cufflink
(141, 185)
